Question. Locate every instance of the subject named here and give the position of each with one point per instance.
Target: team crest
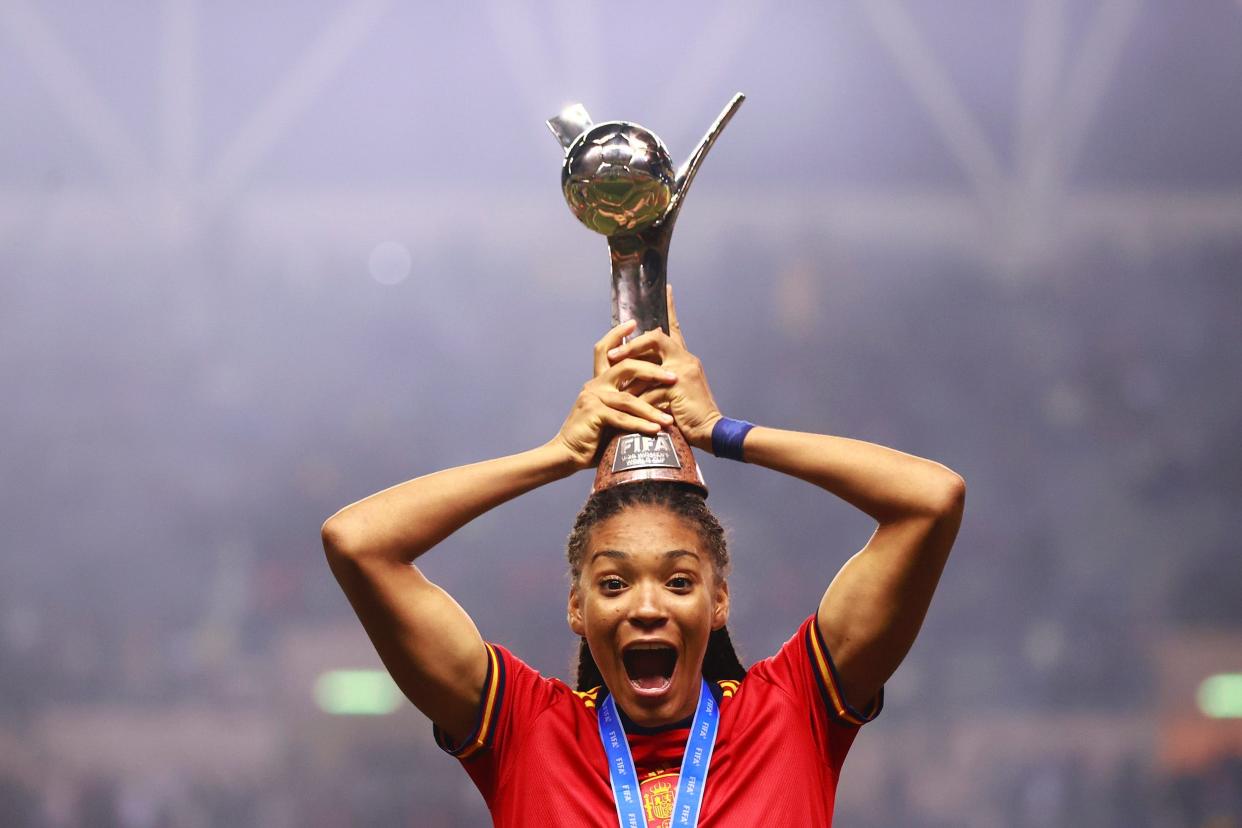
(658, 792)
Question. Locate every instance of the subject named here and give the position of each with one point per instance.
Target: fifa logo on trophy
(618, 179)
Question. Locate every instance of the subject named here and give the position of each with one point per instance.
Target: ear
(575, 611)
(720, 609)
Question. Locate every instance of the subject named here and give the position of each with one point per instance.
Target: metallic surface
(572, 122)
(617, 179)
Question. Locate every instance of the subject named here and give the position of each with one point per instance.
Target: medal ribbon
(694, 763)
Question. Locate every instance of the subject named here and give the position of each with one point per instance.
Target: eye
(680, 582)
(611, 584)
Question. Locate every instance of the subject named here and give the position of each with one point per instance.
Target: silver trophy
(619, 180)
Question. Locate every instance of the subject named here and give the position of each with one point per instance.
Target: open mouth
(650, 666)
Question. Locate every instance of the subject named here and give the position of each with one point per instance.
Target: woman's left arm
(873, 609)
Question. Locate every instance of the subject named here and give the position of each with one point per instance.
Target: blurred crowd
(1093, 411)
(391, 790)
(1061, 791)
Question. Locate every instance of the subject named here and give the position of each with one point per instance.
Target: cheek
(599, 615)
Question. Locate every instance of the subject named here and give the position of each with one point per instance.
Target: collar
(634, 729)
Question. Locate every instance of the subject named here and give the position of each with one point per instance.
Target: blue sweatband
(728, 436)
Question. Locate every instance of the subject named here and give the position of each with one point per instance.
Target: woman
(658, 680)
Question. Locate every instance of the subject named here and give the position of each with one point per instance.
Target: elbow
(950, 496)
(337, 539)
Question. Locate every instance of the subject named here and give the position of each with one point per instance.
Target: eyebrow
(617, 554)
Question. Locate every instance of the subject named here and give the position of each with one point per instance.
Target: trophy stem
(639, 274)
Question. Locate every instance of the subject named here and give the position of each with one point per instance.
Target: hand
(689, 399)
(607, 401)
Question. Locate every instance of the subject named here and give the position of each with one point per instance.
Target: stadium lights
(1220, 696)
(356, 693)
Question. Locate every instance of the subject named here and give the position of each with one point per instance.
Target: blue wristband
(728, 437)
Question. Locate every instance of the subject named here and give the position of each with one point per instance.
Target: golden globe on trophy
(619, 180)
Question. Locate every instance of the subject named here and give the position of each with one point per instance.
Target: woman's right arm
(429, 644)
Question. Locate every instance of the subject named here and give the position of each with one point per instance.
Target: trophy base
(631, 458)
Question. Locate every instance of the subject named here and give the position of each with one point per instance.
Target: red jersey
(784, 730)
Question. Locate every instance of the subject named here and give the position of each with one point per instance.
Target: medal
(694, 763)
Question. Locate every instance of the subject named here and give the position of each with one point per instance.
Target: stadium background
(259, 260)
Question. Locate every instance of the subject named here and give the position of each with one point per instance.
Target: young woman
(666, 727)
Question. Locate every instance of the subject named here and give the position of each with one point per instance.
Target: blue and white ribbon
(694, 764)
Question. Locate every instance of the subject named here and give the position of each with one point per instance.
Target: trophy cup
(618, 179)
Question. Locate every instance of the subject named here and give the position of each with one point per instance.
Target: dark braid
(720, 661)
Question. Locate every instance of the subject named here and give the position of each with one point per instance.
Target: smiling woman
(665, 727)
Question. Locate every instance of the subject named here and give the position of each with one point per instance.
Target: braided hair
(720, 661)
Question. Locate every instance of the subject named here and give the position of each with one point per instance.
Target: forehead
(639, 529)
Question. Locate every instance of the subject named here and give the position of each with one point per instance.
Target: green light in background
(1220, 696)
(356, 693)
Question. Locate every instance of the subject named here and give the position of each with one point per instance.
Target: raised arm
(874, 607)
(429, 644)
(872, 610)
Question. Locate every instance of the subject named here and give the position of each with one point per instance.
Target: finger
(658, 396)
(609, 341)
(629, 370)
(674, 327)
(637, 387)
(623, 401)
(622, 421)
(653, 341)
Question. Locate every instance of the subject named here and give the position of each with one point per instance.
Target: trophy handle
(640, 261)
(685, 175)
(572, 122)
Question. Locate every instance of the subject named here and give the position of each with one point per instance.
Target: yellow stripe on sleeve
(826, 673)
(490, 707)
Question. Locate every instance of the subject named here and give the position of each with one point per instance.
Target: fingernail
(669, 375)
(614, 352)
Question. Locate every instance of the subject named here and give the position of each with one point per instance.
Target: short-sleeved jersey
(784, 730)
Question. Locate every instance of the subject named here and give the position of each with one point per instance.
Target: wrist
(559, 457)
(701, 439)
(729, 438)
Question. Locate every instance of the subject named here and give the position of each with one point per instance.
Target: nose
(648, 608)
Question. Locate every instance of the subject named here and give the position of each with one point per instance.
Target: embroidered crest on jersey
(728, 687)
(659, 791)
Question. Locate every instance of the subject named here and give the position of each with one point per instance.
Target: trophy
(618, 179)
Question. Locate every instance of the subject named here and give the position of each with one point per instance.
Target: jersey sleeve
(490, 703)
(514, 694)
(803, 668)
(829, 683)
